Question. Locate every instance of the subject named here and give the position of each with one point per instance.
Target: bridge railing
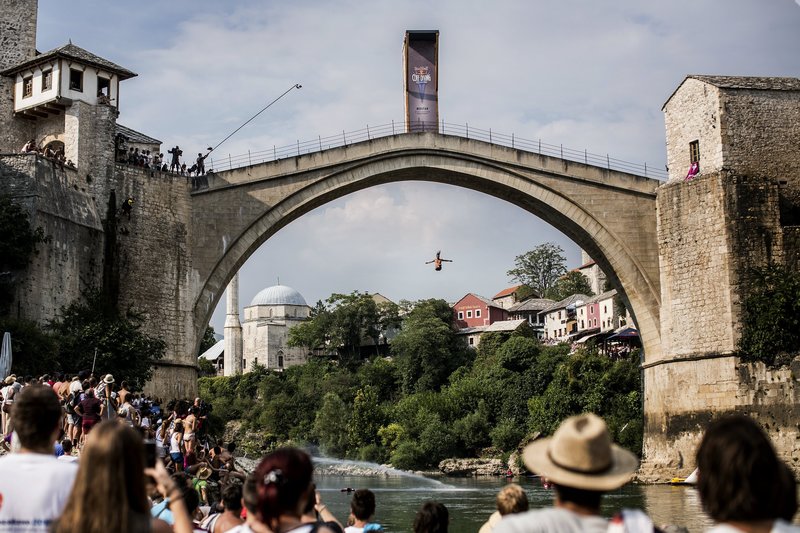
(219, 162)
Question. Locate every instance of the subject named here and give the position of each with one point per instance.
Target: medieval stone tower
(740, 211)
(67, 99)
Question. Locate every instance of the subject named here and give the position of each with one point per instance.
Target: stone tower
(740, 211)
(233, 330)
(17, 44)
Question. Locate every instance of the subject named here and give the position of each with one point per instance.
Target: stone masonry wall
(71, 261)
(155, 274)
(761, 136)
(683, 397)
(17, 43)
(693, 114)
(695, 268)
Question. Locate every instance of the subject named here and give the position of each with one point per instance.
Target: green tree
(331, 425)
(427, 349)
(206, 368)
(573, 282)
(540, 268)
(208, 340)
(367, 418)
(18, 242)
(35, 350)
(123, 349)
(771, 316)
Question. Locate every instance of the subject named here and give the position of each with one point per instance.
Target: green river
(470, 501)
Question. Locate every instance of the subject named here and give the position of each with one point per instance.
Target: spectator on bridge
(176, 154)
(510, 500)
(34, 484)
(201, 163)
(742, 483)
(582, 464)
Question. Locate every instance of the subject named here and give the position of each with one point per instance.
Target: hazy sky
(586, 74)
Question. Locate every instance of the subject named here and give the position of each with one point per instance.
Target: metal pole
(608, 162)
(540, 146)
(490, 135)
(368, 132)
(562, 151)
(94, 360)
(298, 147)
(320, 142)
(249, 159)
(344, 138)
(392, 126)
(230, 162)
(442, 126)
(585, 156)
(467, 130)
(512, 140)
(274, 153)
(645, 168)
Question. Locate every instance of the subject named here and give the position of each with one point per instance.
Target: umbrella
(627, 333)
(5, 356)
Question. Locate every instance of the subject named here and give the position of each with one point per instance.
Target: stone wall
(682, 397)
(71, 261)
(17, 44)
(693, 114)
(154, 270)
(696, 302)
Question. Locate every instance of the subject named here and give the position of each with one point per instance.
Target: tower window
(280, 361)
(27, 87)
(47, 80)
(103, 87)
(76, 80)
(694, 152)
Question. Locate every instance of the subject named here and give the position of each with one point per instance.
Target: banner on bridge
(421, 70)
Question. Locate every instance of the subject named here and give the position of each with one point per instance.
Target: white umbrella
(5, 356)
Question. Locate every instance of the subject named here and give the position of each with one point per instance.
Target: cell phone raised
(150, 453)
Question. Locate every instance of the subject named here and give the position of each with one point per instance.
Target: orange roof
(506, 292)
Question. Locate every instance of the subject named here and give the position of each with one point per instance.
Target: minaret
(233, 330)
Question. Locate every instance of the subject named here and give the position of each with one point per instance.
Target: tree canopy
(540, 268)
(573, 282)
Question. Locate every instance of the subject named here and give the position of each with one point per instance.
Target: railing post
(298, 147)
(512, 140)
(540, 146)
(392, 126)
(645, 169)
(608, 162)
(249, 159)
(467, 124)
(490, 135)
(274, 153)
(368, 133)
(562, 151)
(344, 138)
(320, 142)
(230, 163)
(585, 156)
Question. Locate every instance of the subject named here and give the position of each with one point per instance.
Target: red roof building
(472, 311)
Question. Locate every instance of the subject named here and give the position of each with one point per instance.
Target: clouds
(583, 74)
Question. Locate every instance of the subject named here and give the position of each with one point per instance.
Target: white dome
(278, 295)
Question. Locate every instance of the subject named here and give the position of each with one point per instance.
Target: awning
(625, 334)
(594, 335)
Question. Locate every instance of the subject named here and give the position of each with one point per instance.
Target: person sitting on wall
(29, 147)
(694, 170)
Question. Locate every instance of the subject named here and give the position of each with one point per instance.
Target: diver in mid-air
(437, 262)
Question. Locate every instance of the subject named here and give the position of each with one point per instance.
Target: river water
(470, 501)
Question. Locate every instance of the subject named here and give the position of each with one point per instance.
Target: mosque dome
(278, 295)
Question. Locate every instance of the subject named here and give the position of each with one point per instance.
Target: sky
(588, 75)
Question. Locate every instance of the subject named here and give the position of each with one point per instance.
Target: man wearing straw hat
(582, 463)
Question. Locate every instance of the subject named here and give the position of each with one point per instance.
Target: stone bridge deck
(610, 214)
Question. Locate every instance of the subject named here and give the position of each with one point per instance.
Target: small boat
(691, 480)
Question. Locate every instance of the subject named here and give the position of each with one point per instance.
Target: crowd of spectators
(56, 156)
(90, 456)
(151, 160)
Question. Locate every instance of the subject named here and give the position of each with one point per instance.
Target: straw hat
(109, 379)
(204, 472)
(580, 455)
(9, 380)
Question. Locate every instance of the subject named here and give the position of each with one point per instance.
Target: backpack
(69, 405)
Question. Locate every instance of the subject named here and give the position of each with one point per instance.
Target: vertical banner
(421, 62)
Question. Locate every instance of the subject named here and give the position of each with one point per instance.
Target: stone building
(262, 337)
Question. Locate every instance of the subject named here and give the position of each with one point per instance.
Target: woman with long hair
(110, 492)
(283, 486)
(743, 485)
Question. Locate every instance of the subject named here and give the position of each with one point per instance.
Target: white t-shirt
(353, 529)
(779, 526)
(67, 458)
(553, 520)
(31, 506)
(175, 443)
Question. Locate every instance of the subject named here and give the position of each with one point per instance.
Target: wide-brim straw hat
(9, 380)
(204, 472)
(109, 379)
(580, 455)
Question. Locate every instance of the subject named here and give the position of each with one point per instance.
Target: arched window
(280, 359)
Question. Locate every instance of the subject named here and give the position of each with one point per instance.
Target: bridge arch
(609, 214)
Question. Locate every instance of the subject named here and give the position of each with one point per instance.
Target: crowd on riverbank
(138, 467)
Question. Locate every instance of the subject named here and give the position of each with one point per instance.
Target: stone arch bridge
(608, 213)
